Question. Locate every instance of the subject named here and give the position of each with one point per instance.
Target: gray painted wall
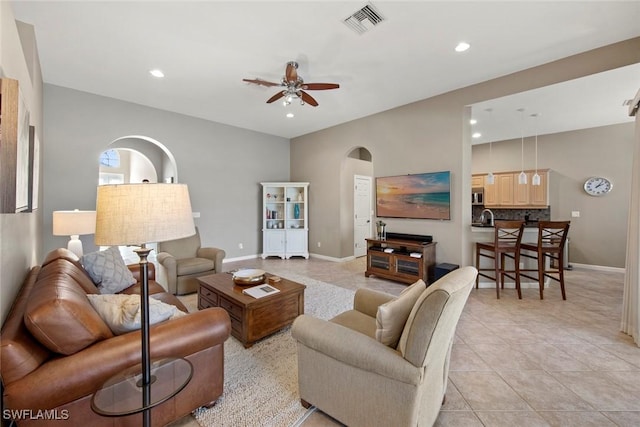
(20, 240)
(429, 135)
(599, 235)
(222, 165)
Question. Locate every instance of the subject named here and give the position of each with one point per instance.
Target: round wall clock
(597, 186)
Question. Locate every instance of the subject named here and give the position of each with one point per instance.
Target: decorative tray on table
(249, 277)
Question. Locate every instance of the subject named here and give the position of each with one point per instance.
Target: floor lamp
(74, 224)
(137, 214)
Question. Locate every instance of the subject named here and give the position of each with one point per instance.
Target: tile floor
(520, 362)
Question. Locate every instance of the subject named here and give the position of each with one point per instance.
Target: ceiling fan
(294, 86)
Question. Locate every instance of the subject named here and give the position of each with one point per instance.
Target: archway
(161, 159)
(356, 171)
(136, 159)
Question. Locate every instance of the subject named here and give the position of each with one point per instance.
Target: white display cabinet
(285, 228)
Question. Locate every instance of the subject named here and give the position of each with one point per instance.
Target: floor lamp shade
(74, 223)
(135, 214)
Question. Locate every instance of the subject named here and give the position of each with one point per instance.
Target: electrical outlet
(575, 214)
(240, 245)
(319, 244)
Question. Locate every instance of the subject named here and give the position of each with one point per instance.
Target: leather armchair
(347, 373)
(183, 260)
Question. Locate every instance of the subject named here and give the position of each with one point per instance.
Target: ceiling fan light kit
(294, 87)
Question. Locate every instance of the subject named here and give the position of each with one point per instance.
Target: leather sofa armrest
(215, 254)
(137, 271)
(354, 349)
(80, 374)
(367, 301)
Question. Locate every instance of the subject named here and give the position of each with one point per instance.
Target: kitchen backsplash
(514, 214)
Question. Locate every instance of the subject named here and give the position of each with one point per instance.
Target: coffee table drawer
(233, 309)
(207, 298)
(236, 327)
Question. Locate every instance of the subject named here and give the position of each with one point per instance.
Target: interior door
(362, 214)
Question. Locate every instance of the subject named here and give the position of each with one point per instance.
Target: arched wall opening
(136, 159)
(357, 161)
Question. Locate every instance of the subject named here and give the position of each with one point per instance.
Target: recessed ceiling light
(156, 73)
(462, 46)
(476, 135)
(289, 115)
(473, 121)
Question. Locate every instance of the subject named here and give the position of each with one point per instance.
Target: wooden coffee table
(252, 318)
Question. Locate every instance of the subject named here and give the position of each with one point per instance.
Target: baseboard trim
(599, 267)
(323, 257)
(333, 259)
(241, 258)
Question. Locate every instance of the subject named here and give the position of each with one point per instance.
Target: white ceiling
(206, 48)
(595, 100)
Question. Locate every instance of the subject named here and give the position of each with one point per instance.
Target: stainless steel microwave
(477, 196)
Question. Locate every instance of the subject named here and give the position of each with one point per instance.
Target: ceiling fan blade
(261, 82)
(275, 97)
(308, 99)
(320, 86)
(291, 74)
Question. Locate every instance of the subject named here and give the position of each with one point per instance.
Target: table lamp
(74, 223)
(137, 214)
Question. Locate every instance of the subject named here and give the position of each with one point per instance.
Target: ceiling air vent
(364, 19)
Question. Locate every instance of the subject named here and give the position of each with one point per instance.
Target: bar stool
(506, 244)
(552, 236)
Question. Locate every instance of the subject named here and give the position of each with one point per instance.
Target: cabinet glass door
(408, 266)
(379, 261)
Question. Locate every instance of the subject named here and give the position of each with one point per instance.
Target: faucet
(482, 218)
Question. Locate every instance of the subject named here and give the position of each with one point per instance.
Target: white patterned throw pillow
(121, 312)
(108, 270)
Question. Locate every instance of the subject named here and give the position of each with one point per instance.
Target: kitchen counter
(489, 228)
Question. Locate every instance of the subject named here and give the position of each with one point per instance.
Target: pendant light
(490, 178)
(536, 178)
(522, 178)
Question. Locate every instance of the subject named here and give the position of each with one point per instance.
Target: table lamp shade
(135, 214)
(74, 223)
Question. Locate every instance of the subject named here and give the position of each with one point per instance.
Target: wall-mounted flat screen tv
(422, 196)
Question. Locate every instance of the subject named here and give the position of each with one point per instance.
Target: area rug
(261, 382)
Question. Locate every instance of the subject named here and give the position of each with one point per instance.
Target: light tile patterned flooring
(521, 362)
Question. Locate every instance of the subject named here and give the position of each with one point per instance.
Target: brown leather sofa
(57, 386)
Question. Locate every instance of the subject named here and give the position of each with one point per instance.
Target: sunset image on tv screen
(423, 196)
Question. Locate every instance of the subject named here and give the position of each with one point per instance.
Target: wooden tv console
(404, 261)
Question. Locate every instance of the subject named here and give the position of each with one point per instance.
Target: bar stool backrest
(508, 232)
(552, 235)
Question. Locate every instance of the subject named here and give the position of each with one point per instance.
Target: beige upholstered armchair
(183, 260)
(386, 362)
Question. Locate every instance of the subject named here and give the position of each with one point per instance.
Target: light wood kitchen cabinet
(539, 194)
(504, 182)
(521, 192)
(507, 193)
(490, 192)
(477, 181)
